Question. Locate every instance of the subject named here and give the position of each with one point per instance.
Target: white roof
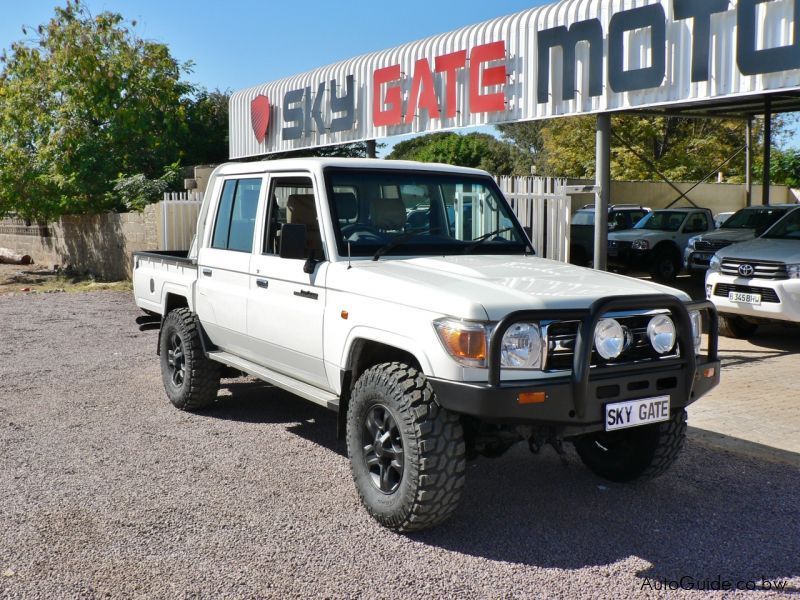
(308, 164)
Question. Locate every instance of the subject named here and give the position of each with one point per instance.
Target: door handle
(262, 283)
(207, 272)
(307, 294)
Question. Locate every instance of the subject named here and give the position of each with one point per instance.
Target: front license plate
(744, 298)
(633, 413)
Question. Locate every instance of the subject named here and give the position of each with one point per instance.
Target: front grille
(561, 338)
(761, 269)
(767, 294)
(712, 245)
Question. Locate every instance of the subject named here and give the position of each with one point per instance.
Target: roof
(305, 164)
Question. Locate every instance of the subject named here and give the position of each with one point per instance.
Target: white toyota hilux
(758, 281)
(407, 297)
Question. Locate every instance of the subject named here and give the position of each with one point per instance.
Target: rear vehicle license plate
(745, 298)
(633, 413)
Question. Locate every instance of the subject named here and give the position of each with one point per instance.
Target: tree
(206, 136)
(785, 167)
(82, 102)
(477, 150)
(682, 149)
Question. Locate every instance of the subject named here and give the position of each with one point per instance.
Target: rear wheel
(406, 452)
(190, 379)
(736, 327)
(636, 453)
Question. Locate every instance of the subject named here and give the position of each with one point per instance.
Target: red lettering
(449, 64)
(491, 76)
(393, 115)
(423, 94)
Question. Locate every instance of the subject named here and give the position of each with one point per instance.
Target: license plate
(633, 413)
(744, 298)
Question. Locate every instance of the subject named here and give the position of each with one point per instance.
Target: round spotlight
(609, 339)
(661, 331)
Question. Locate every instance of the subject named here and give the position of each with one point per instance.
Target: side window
(636, 216)
(698, 223)
(292, 200)
(236, 216)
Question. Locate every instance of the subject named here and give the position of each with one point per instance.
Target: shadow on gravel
(258, 402)
(714, 515)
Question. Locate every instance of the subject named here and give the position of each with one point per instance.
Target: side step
(304, 390)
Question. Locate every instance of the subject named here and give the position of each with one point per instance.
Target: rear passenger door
(223, 265)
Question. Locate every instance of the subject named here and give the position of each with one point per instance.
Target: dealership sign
(541, 63)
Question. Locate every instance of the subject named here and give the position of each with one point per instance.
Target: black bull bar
(589, 318)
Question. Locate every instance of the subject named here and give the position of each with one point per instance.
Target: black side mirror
(293, 241)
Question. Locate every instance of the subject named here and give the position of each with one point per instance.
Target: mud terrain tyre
(190, 379)
(736, 327)
(636, 453)
(407, 453)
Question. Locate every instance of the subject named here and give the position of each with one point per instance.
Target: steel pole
(603, 182)
(767, 149)
(748, 162)
(371, 149)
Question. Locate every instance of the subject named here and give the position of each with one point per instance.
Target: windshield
(759, 219)
(419, 213)
(583, 217)
(787, 228)
(662, 221)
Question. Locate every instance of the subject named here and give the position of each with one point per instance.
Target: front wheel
(636, 453)
(406, 452)
(666, 267)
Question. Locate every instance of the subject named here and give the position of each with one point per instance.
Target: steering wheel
(362, 230)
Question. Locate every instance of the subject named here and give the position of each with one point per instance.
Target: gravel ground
(107, 491)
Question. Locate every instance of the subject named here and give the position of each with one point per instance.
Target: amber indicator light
(531, 397)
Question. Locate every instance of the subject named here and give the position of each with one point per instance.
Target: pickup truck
(436, 341)
(581, 242)
(657, 243)
(758, 281)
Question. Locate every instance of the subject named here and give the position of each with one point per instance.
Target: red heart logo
(259, 116)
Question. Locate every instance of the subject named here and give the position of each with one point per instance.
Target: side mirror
(293, 241)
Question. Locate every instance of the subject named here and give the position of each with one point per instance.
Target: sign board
(570, 58)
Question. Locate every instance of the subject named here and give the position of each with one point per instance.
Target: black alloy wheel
(383, 449)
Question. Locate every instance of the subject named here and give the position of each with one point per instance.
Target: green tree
(785, 167)
(477, 150)
(81, 102)
(206, 136)
(682, 149)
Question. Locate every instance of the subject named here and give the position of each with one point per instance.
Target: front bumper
(623, 256)
(780, 297)
(575, 402)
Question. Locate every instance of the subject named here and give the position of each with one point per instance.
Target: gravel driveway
(106, 490)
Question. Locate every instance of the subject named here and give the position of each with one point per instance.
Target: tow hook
(537, 440)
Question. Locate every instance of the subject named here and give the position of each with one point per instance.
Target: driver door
(285, 305)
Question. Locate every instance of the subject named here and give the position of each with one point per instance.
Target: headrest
(346, 205)
(388, 213)
(300, 208)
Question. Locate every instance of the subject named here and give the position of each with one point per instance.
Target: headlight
(641, 245)
(697, 329)
(521, 347)
(464, 341)
(609, 338)
(661, 331)
(793, 271)
(714, 266)
(692, 242)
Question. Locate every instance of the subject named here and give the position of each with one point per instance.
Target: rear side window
(236, 216)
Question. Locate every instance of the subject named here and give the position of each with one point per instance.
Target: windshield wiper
(479, 240)
(400, 239)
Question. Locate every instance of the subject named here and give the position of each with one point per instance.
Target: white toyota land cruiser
(407, 297)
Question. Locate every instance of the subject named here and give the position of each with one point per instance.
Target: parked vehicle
(759, 280)
(620, 217)
(434, 344)
(744, 225)
(720, 218)
(657, 243)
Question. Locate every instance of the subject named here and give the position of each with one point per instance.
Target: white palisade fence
(179, 212)
(543, 206)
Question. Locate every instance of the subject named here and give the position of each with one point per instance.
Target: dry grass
(32, 279)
